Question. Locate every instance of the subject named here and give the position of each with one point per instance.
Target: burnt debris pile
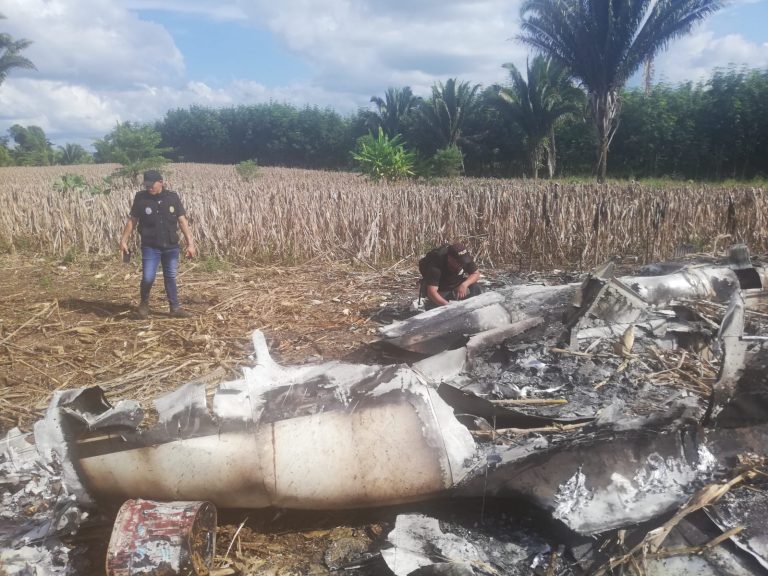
(623, 417)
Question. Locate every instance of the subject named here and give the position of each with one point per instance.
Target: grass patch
(69, 256)
(212, 264)
(45, 282)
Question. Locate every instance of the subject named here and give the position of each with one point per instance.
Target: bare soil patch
(73, 324)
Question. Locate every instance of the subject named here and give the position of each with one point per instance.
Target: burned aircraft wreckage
(615, 451)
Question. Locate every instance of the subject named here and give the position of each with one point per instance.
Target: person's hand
(191, 251)
(460, 292)
(123, 247)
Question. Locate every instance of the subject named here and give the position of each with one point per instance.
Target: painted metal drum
(168, 538)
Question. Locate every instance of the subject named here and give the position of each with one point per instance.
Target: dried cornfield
(288, 215)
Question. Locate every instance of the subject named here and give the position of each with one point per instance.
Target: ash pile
(617, 425)
(36, 511)
(632, 410)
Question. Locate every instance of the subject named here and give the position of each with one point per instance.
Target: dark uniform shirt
(158, 217)
(436, 271)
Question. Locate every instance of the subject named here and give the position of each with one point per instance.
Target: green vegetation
(69, 256)
(10, 54)
(69, 183)
(32, 147)
(449, 109)
(135, 146)
(393, 110)
(212, 264)
(585, 52)
(713, 130)
(71, 154)
(602, 43)
(384, 158)
(537, 104)
(248, 170)
(447, 162)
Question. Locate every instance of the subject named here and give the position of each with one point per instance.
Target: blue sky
(101, 62)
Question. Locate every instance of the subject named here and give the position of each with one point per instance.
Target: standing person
(448, 273)
(157, 212)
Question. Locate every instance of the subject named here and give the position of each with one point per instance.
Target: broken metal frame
(339, 435)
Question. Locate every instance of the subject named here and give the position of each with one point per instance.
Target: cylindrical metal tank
(166, 538)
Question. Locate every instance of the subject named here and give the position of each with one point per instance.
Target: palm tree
(9, 54)
(536, 105)
(603, 42)
(448, 108)
(392, 109)
(71, 154)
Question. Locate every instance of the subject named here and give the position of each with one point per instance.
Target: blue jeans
(151, 258)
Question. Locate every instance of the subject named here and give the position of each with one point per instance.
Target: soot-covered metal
(557, 395)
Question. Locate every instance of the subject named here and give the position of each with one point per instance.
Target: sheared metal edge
(606, 299)
(52, 441)
(443, 367)
(743, 542)
(734, 353)
(126, 413)
(417, 540)
(239, 406)
(658, 484)
(181, 403)
(433, 331)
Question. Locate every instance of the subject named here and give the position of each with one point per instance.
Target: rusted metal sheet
(169, 538)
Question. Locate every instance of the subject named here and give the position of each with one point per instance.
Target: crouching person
(448, 273)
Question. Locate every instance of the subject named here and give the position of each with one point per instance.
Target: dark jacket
(158, 217)
(435, 270)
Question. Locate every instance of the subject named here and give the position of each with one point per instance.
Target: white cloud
(367, 46)
(695, 56)
(93, 42)
(99, 62)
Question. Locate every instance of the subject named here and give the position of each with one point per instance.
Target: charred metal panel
(599, 480)
(747, 403)
(346, 435)
(605, 300)
(734, 350)
(747, 508)
(467, 404)
(449, 326)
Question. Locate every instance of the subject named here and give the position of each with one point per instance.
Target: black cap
(459, 252)
(152, 176)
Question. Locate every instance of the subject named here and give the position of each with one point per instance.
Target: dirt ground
(70, 324)
(73, 324)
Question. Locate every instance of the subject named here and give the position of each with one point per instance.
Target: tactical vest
(158, 217)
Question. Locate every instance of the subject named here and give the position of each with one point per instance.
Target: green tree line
(711, 130)
(571, 100)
